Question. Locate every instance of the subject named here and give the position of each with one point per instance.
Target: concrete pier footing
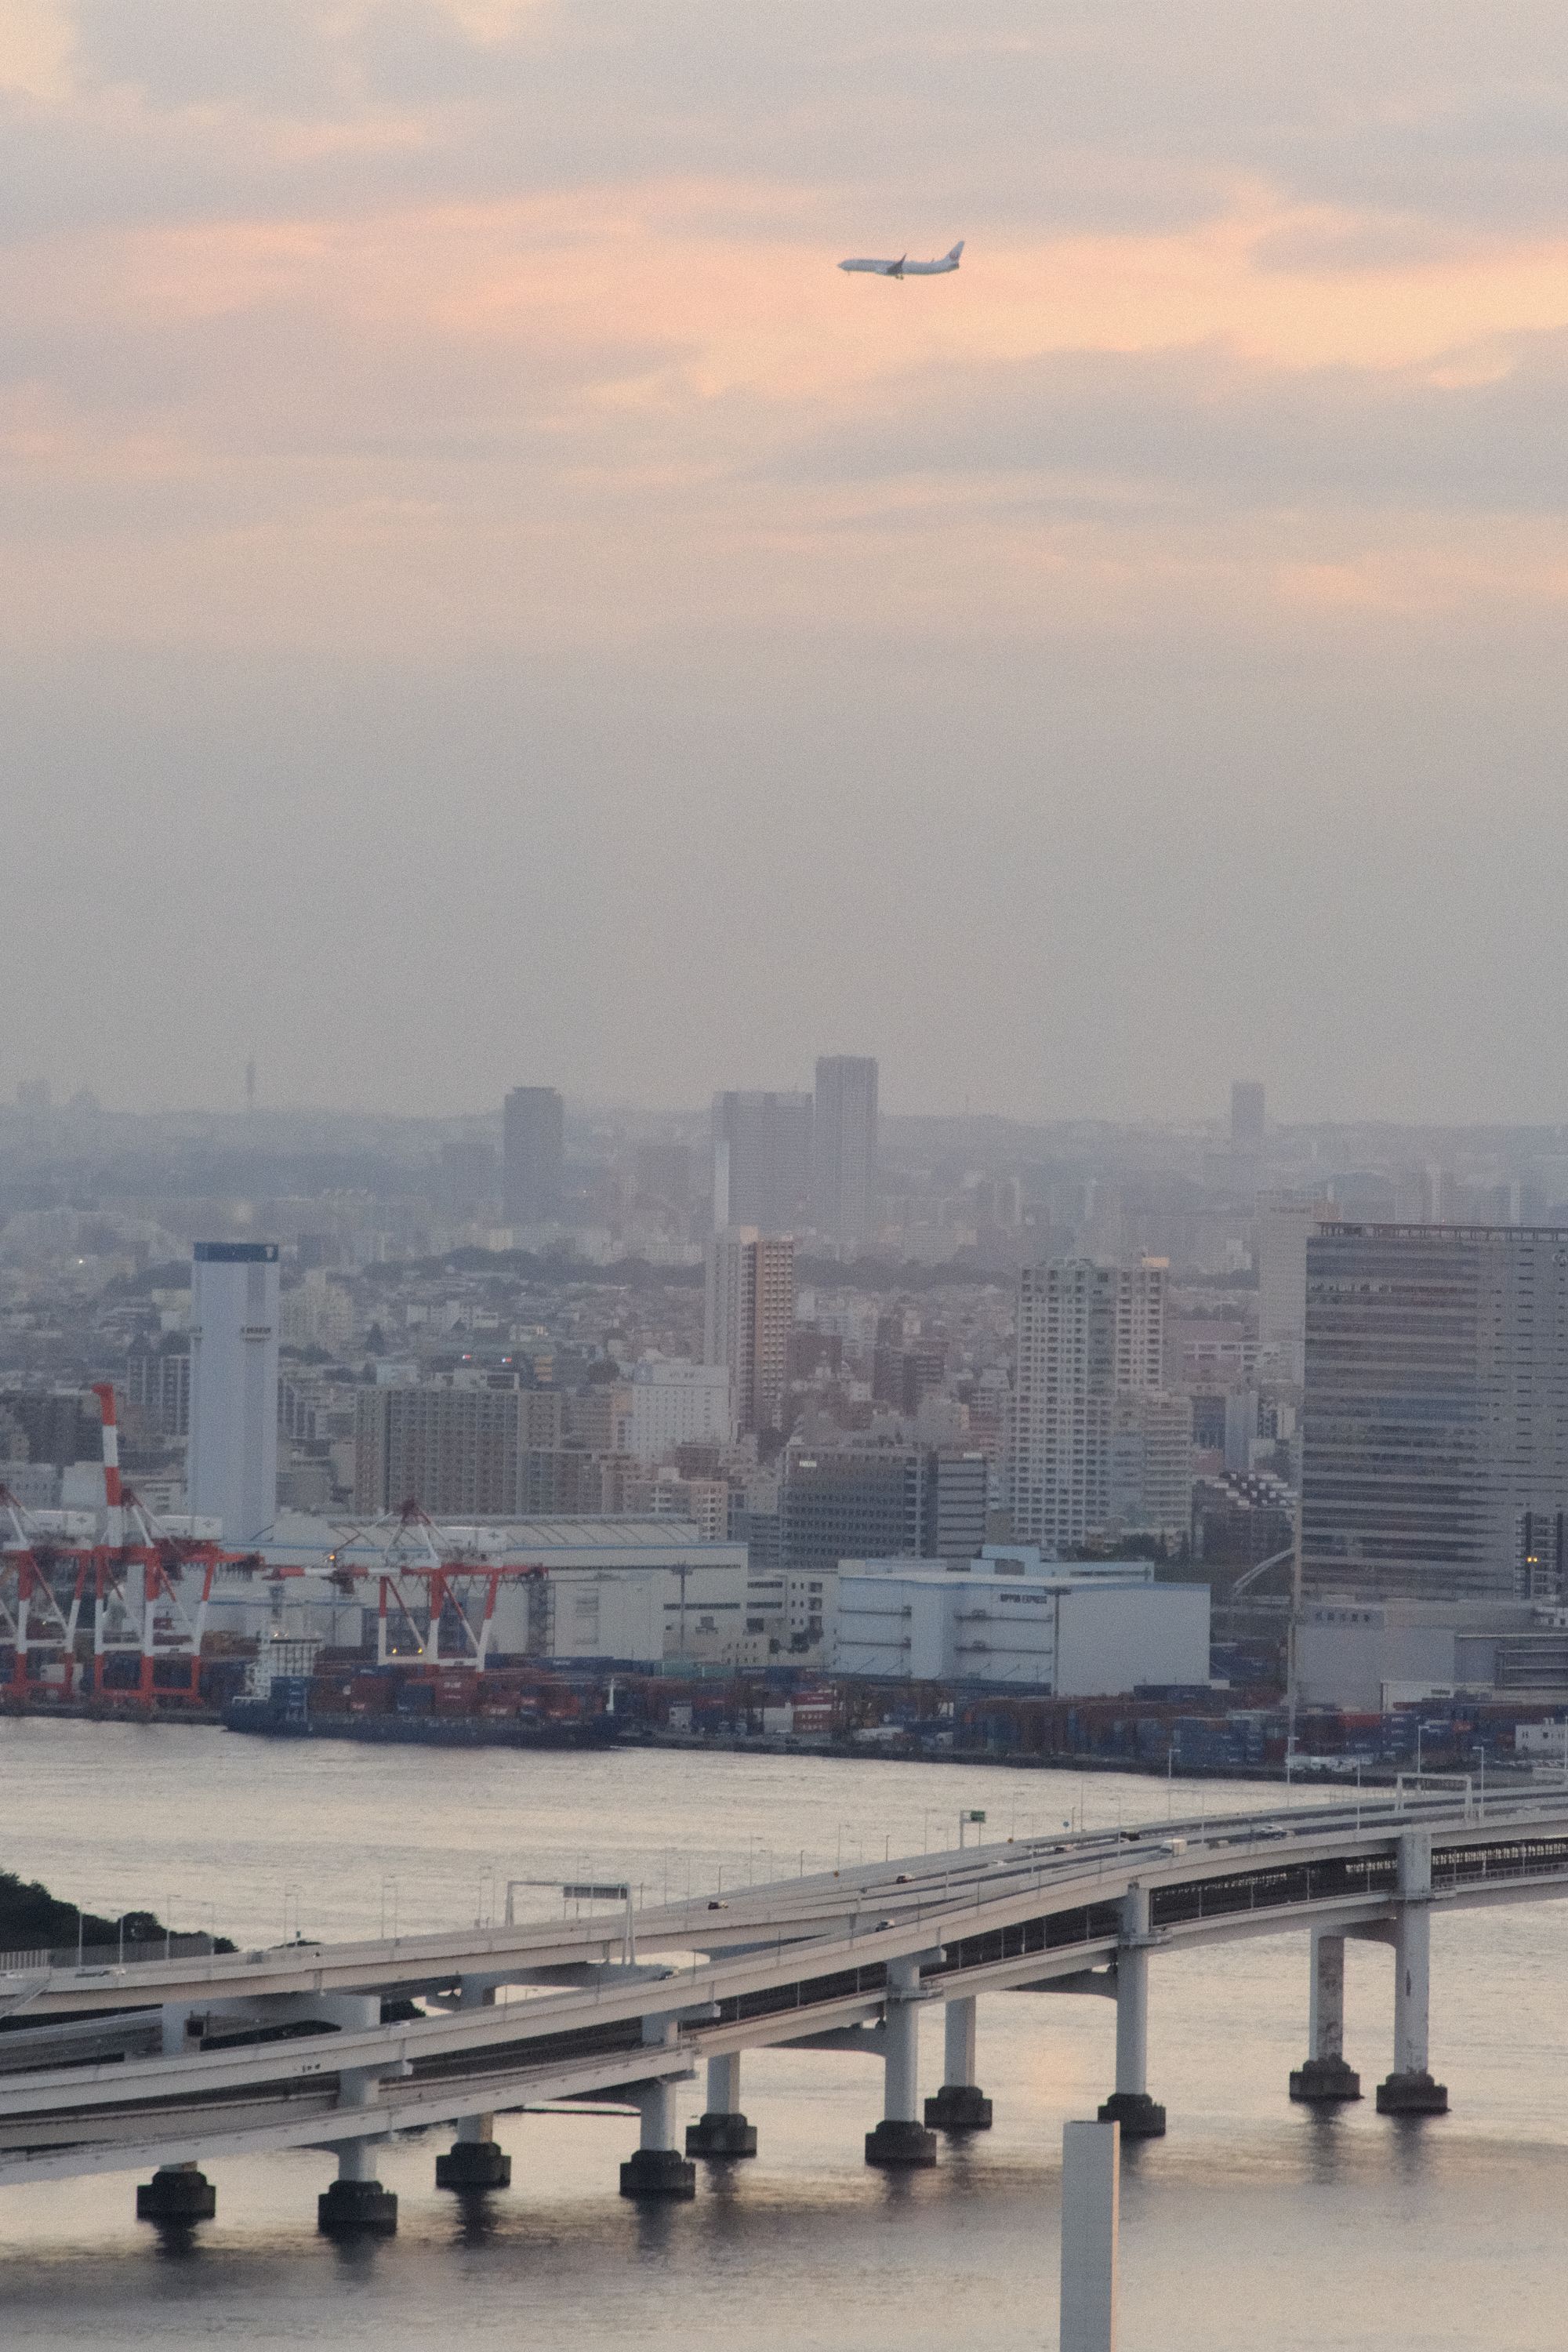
(721, 2136)
(958, 2107)
(659, 2172)
(1141, 2116)
(1324, 2082)
(356, 2209)
(1412, 2095)
(897, 2146)
(723, 2130)
(474, 2164)
(177, 2193)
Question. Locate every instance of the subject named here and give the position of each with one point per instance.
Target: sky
(484, 599)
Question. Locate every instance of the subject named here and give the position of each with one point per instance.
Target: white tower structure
(233, 1473)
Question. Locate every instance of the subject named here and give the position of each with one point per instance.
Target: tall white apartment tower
(749, 1313)
(233, 1473)
(1089, 1337)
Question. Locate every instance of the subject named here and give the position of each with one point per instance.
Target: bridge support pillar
(177, 2193)
(1325, 2080)
(1410, 2090)
(960, 2106)
(658, 2168)
(356, 2205)
(1130, 2106)
(723, 2130)
(900, 2140)
(474, 2162)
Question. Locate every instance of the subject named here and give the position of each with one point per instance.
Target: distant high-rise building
(1150, 1475)
(886, 1502)
(233, 1466)
(158, 1382)
(1247, 1118)
(1087, 1335)
(532, 1156)
(1283, 1227)
(761, 1161)
(451, 1445)
(1435, 1417)
(749, 1315)
(465, 1180)
(844, 1188)
(663, 1174)
(59, 1425)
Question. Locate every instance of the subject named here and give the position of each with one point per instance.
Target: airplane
(905, 267)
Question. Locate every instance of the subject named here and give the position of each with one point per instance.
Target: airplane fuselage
(905, 267)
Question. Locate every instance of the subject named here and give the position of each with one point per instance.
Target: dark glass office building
(1435, 1421)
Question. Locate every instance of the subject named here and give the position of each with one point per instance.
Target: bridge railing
(144, 1951)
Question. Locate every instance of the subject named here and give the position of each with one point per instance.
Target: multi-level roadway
(170, 2063)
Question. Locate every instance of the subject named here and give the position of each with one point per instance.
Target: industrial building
(1370, 1657)
(621, 1590)
(1013, 1622)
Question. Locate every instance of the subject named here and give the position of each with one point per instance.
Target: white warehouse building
(1021, 1625)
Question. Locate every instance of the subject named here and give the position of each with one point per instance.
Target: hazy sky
(484, 599)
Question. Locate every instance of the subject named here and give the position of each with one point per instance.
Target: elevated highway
(172, 2063)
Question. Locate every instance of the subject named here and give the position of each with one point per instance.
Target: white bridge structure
(171, 2061)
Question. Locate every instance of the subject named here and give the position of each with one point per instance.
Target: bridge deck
(573, 2014)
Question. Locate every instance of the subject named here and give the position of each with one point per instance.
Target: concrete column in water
(960, 2106)
(177, 2193)
(475, 2160)
(723, 2130)
(1410, 2090)
(1325, 2080)
(356, 2205)
(900, 2139)
(1140, 2116)
(1092, 2163)
(658, 2168)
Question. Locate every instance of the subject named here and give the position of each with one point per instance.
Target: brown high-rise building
(749, 1318)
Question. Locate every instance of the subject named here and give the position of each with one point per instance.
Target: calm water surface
(1253, 2224)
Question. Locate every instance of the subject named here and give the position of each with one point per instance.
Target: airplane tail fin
(957, 251)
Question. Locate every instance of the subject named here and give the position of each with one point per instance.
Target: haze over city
(476, 575)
